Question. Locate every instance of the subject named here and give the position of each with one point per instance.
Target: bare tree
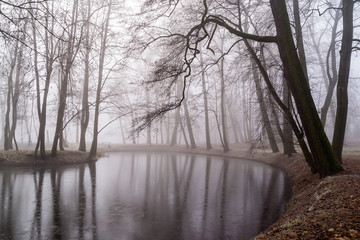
(322, 158)
(51, 44)
(206, 107)
(104, 37)
(85, 111)
(66, 63)
(343, 77)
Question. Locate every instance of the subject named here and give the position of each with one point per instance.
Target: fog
(142, 69)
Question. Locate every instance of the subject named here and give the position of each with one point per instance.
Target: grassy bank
(26, 158)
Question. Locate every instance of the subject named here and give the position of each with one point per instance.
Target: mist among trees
(280, 75)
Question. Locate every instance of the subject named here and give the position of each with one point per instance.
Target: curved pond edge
(240, 152)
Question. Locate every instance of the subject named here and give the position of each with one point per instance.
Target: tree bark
(7, 132)
(105, 30)
(50, 58)
(343, 80)
(325, 160)
(223, 108)
(64, 80)
(299, 37)
(175, 130)
(289, 147)
(184, 133)
(189, 126)
(85, 112)
(16, 93)
(331, 67)
(206, 107)
(263, 110)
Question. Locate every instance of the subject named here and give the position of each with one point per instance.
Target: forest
(276, 74)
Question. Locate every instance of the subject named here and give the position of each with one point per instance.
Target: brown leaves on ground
(327, 208)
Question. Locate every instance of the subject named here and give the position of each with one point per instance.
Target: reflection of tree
(188, 180)
(206, 195)
(223, 198)
(82, 202)
(92, 168)
(56, 186)
(6, 205)
(147, 185)
(132, 169)
(183, 205)
(180, 197)
(267, 215)
(38, 208)
(177, 211)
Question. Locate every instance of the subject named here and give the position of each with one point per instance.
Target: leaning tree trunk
(299, 37)
(263, 110)
(289, 147)
(325, 160)
(286, 110)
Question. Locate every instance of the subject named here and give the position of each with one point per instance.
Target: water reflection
(142, 196)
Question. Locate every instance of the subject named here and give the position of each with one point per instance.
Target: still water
(142, 196)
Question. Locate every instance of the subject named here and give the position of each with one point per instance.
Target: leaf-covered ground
(327, 208)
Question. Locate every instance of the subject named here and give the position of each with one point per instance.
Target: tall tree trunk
(206, 107)
(7, 132)
(299, 37)
(184, 133)
(64, 80)
(233, 121)
(276, 120)
(50, 58)
(175, 129)
(16, 93)
(148, 130)
(331, 67)
(325, 160)
(246, 115)
(85, 112)
(257, 63)
(263, 109)
(177, 116)
(189, 125)
(223, 108)
(285, 108)
(289, 147)
(343, 80)
(105, 30)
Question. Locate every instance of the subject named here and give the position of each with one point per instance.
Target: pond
(142, 196)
